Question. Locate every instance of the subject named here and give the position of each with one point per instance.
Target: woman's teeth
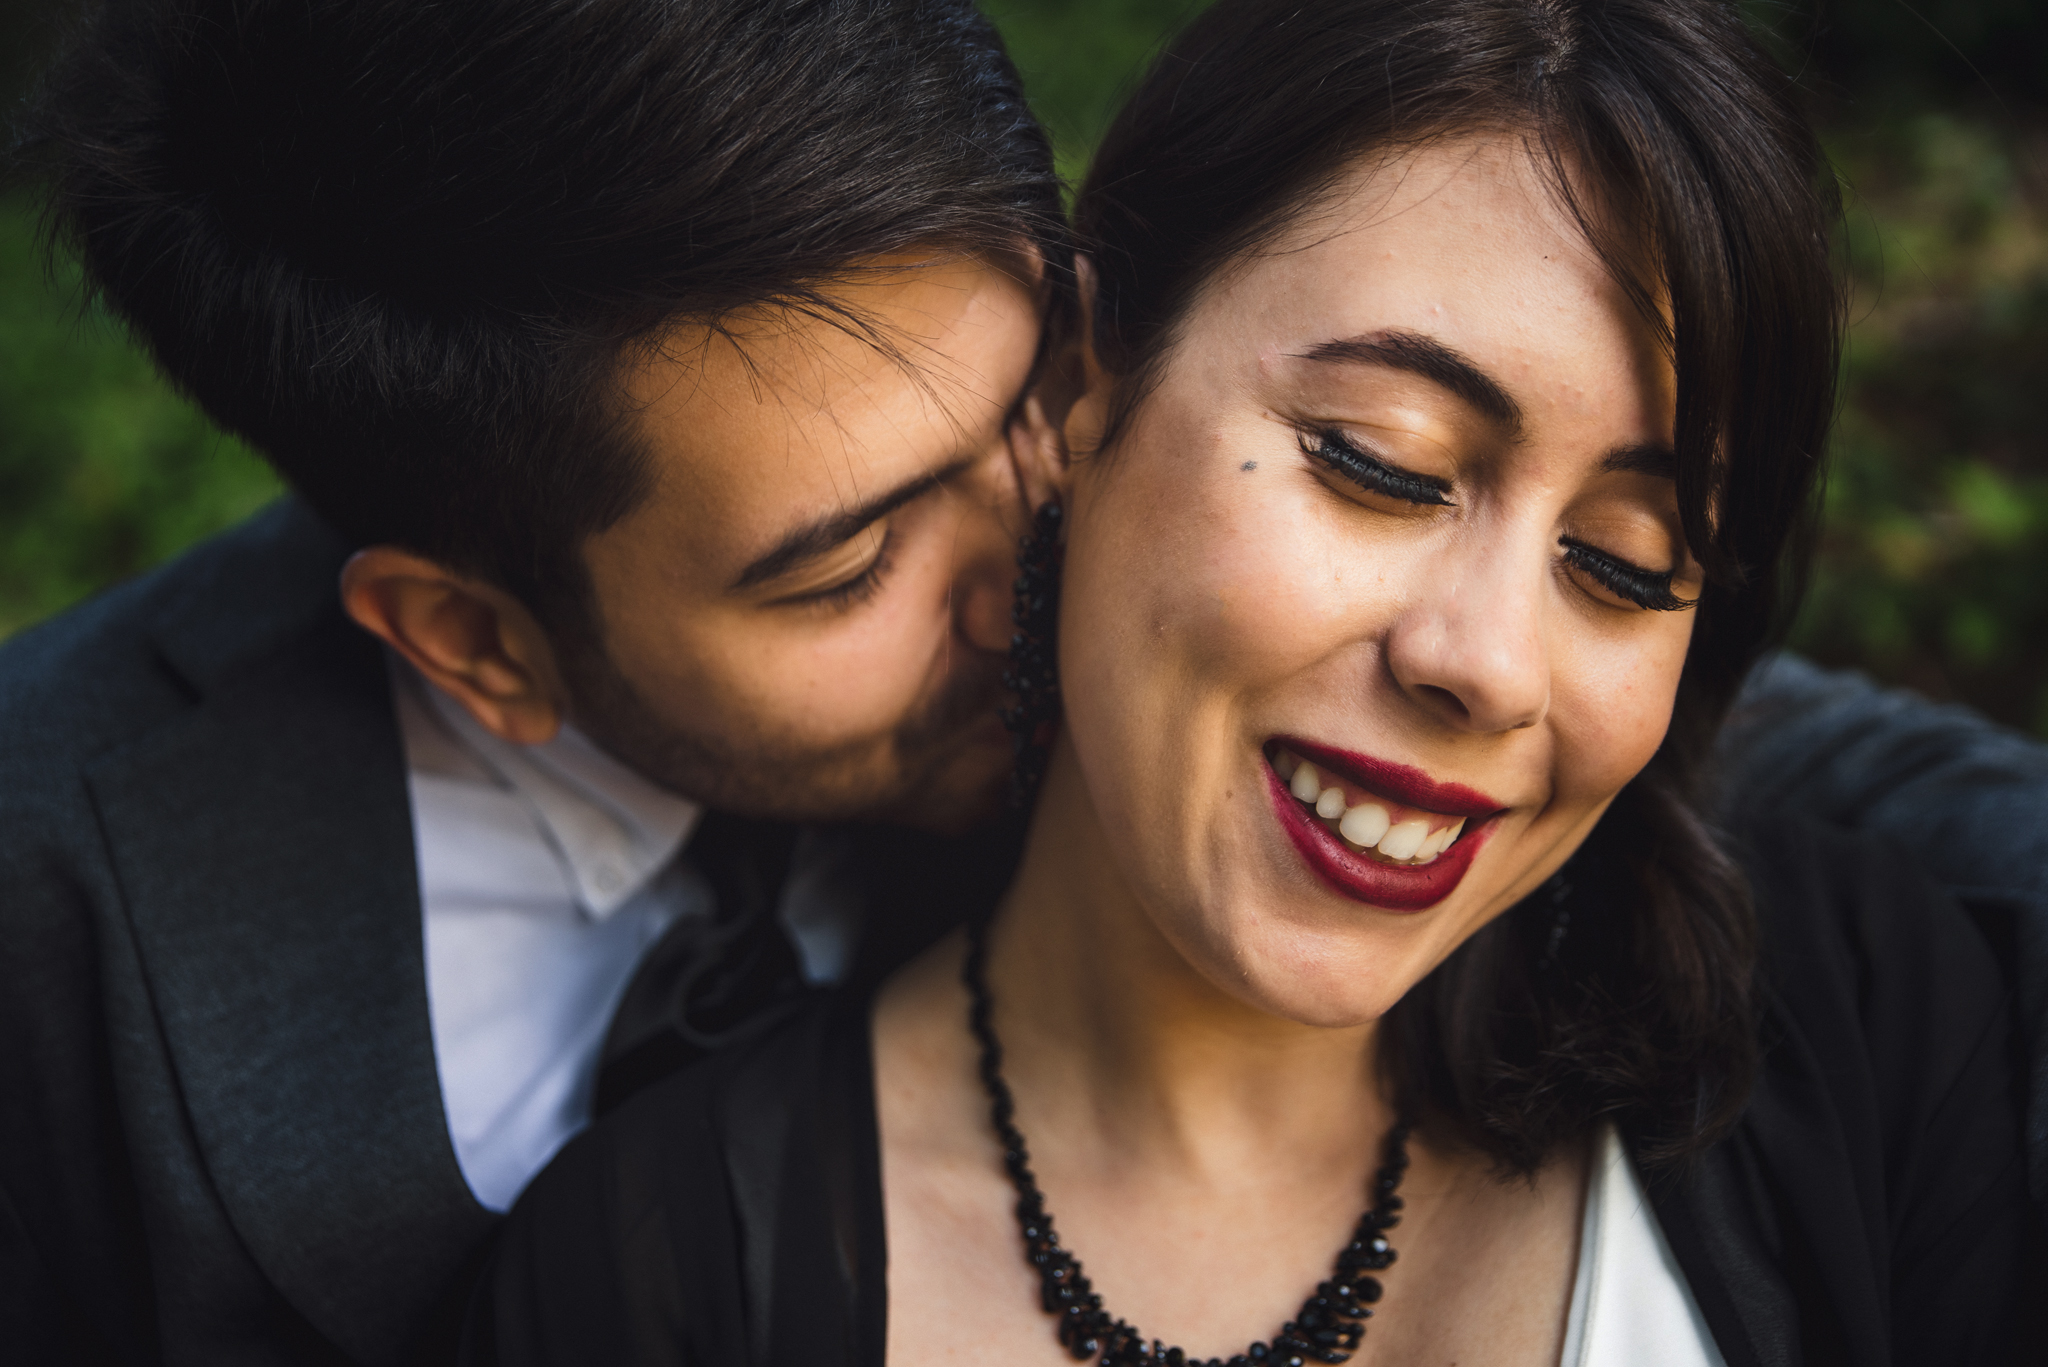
(1368, 826)
(1364, 825)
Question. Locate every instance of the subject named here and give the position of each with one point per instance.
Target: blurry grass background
(1934, 567)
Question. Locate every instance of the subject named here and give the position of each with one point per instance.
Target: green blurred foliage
(1079, 58)
(103, 470)
(1934, 558)
(1934, 564)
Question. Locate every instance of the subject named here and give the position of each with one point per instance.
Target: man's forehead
(946, 327)
(774, 420)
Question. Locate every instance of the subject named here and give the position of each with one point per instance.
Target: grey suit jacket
(221, 1134)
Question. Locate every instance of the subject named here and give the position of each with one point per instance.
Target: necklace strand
(1329, 1326)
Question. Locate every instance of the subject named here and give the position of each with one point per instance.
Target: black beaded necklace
(1327, 1329)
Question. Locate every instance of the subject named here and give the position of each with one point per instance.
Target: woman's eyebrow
(1420, 354)
(1643, 458)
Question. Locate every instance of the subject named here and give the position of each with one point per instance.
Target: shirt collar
(610, 829)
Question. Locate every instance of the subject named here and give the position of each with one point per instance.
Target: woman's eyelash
(1337, 451)
(862, 586)
(1644, 588)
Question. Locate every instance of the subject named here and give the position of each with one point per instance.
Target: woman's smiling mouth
(1376, 832)
(1368, 824)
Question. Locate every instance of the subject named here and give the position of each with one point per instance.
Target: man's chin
(962, 794)
(969, 811)
(947, 789)
(930, 776)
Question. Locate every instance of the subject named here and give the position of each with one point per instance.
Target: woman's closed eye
(1341, 455)
(1634, 585)
(1650, 589)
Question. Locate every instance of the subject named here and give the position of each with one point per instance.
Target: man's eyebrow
(1643, 458)
(821, 535)
(1423, 355)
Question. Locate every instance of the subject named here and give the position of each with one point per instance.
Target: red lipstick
(1391, 887)
(1404, 783)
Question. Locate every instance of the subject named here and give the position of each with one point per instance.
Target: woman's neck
(1107, 1027)
(1204, 1158)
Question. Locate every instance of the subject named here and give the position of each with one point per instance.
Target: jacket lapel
(263, 843)
(1717, 1216)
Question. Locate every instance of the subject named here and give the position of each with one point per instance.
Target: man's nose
(984, 575)
(1471, 647)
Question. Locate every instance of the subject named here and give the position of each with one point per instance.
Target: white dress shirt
(545, 873)
(1631, 1305)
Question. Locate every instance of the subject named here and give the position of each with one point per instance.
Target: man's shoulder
(127, 659)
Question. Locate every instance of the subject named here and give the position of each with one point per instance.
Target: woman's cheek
(1614, 708)
(1253, 589)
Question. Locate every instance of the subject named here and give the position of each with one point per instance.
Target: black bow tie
(711, 980)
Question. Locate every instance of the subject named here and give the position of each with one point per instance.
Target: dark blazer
(1868, 1209)
(221, 1131)
(1969, 799)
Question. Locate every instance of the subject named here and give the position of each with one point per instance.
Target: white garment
(545, 873)
(1630, 1302)
(538, 881)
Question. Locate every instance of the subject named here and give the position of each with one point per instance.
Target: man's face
(807, 616)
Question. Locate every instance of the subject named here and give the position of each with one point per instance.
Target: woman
(1441, 442)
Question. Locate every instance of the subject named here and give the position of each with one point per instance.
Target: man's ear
(1068, 379)
(472, 640)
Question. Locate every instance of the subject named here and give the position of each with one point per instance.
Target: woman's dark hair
(405, 248)
(1664, 127)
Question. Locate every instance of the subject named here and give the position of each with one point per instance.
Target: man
(642, 369)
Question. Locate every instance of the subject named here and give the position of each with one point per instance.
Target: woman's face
(1392, 546)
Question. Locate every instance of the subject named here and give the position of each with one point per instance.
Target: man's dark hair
(1685, 156)
(405, 248)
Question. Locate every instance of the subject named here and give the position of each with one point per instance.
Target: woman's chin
(1317, 975)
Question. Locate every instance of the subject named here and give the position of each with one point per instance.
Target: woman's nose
(1470, 648)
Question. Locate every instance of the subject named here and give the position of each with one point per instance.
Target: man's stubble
(937, 770)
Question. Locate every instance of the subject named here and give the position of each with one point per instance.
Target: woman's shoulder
(1870, 962)
(1887, 1031)
(1826, 894)
(631, 1244)
(1871, 1204)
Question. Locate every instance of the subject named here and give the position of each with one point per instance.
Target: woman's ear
(473, 641)
(1066, 377)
